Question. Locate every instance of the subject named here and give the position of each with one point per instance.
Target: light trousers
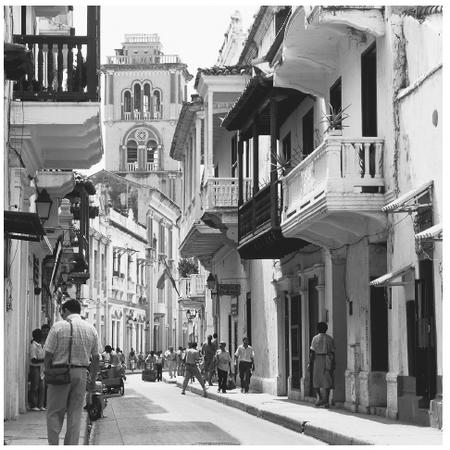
(192, 371)
(66, 399)
(172, 368)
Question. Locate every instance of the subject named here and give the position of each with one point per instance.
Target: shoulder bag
(60, 375)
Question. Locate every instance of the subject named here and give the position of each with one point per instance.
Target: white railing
(117, 283)
(132, 166)
(339, 165)
(224, 192)
(131, 287)
(151, 166)
(144, 60)
(136, 115)
(193, 286)
(127, 115)
(146, 115)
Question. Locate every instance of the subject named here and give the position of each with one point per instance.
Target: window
(137, 97)
(127, 101)
(162, 231)
(233, 156)
(146, 99)
(169, 243)
(131, 151)
(150, 231)
(336, 95)
(151, 155)
(157, 98)
(173, 88)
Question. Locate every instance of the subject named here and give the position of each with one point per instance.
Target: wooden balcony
(260, 235)
(56, 123)
(63, 68)
(223, 192)
(335, 195)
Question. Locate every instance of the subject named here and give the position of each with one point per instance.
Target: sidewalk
(333, 426)
(31, 429)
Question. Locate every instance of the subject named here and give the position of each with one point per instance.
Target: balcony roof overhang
(252, 107)
(202, 241)
(191, 303)
(60, 135)
(309, 49)
(184, 125)
(24, 226)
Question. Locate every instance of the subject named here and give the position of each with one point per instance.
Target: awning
(432, 233)
(24, 226)
(389, 278)
(408, 202)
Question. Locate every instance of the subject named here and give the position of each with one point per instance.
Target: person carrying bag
(60, 374)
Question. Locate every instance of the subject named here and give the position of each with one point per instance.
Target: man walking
(171, 358)
(192, 358)
(223, 363)
(245, 358)
(69, 398)
(209, 351)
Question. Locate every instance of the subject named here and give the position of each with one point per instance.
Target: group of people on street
(72, 343)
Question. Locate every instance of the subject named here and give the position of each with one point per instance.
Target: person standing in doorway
(69, 398)
(37, 389)
(245, 359)
(223, 364)
(322, 360)
(209, 351)
(132, 359)
(192, 370)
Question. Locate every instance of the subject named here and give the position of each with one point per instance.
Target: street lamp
(191, 314)
(211, 282)
(43, 205)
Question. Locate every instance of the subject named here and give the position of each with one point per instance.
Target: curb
(302, 427)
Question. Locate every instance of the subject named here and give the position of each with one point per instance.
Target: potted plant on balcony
(334, 120)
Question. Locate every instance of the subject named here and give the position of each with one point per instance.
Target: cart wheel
(121, 388)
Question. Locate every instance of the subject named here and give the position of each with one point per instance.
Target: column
(255, 157)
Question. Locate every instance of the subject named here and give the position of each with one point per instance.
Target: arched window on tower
(147, 102)
(151, 162)
(157, 106)
(127, 105)
(137, 107)
(132, 162)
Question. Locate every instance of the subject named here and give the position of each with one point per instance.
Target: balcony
(56, 118)
(335, 195)
(156, 114)
(139, 60)
(193, 287)
(216, 225)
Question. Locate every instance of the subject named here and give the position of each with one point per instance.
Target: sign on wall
(230, 289)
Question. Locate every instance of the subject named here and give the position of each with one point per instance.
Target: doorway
(296, 342)
(379, 330)
(369, 91)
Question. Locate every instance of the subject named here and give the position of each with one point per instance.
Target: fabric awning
(24, 226)
(389, 278)
(402, 203)
(434, 233)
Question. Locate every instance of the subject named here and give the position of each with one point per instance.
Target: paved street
(157, 413)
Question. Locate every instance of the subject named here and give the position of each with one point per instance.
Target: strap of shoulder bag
(70, 341)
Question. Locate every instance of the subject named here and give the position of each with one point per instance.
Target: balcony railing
(193, 286)
(223, 192)
(151, 166)
(132, 166)
(257, 211)
(340, 165)
(63, 68)
(156, 114)
(143, 60)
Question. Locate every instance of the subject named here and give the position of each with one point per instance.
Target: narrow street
(157, 414)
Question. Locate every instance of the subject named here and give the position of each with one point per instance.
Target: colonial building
(144, 91)
(345, 200)
(133, 292)
(51, 126)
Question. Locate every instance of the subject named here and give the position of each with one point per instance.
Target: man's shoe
(205, 394)
(43, 409)
(218, 390)
(224, 391)
(183, 393)
(35, 409)
(242, 389)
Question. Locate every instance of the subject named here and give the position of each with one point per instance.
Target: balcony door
(369, 91)
(296, 342)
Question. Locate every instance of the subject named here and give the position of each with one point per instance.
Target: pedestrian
(150, 361)
(84, 352)
(192, 370)
(141, 360)
(37, 388)
(132, 359)
(180, 371)
(45, 328)
(171, 358)
(209, 351)
(322, 361)
(123, 366)
(245, 359)
(223, 363)
(159, 365)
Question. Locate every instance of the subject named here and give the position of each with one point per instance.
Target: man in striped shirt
(84, 353)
